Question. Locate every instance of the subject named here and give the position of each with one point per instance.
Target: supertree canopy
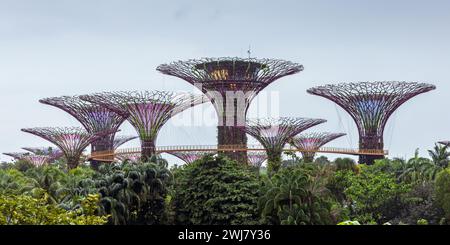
(16, 155)
(446, 143)
(122, 139)
(308, 143)
(370, 104)
(70, 140)
(231, 84)
(274, 133)
(190, 156)
(146, 111)
(51, 152)
(37, 160)
(256, 158)
(93, 117)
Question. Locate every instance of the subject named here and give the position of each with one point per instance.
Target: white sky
(52, 48)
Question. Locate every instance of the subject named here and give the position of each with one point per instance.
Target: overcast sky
(67, 47)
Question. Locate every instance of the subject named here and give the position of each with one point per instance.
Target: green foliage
(443, 191)
(25, 210)
(349, 222)
(374, 196)
(215, 191)
(295, 196)
(422, 222)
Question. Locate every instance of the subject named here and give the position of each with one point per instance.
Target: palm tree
(439, 155)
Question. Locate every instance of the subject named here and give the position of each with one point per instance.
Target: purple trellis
(256, 158)
(93, 117)
(53, 153)
(70, 140)
(190, 156)
(37, 160)
(370, 104)
(147, 111)
(122, 139)
(312, 141)
(274, 133)
(231, 84)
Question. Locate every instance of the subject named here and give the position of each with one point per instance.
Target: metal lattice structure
(446, 143)
(274, 133)
(122, 139)
(190, 156)
(146, 111)
(37, 160)
(231, 84)
(53, 153)
(132, 157)
(17, 155)
(370, 104)
(93, 117)
(256, 158)
(70, 140)
(310, 142)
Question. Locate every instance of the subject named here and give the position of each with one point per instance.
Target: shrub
(442, 187)
(215, 191)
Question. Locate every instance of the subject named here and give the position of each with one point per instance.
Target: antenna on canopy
(249, 52)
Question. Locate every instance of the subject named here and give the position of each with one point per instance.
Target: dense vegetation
(215, 190)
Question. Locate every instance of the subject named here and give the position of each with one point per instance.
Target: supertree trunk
(72, 161)
(148, 149)
(102, 144)
(229, 135)
(373, 143)
(308, 156)
(273, 161)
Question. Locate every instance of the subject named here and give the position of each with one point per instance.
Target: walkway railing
(109, 155)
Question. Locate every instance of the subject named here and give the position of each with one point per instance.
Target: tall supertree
(122, 139)
(256, 158)
(370, 104)
(190, 156)
(93, 117)
(53, 153)
(309, 143)
(70, 140)
(147, 111)
(37, 160)
(274, 133)
(231, 84)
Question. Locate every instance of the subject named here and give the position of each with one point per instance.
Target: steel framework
(70, 140)
(53, 153)
(231, 83)
(256, 158)
(309, 143)
(146, 111)
(93, 117)
(370, 104)
(122, 139)
(37, 160)
(190, 156)
(274, 133)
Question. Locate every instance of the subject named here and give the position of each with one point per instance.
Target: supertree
(370, 104)
(446, 143)
(274, 133)
(122, 139)
(17, 155)
(93, 117)
(309, 143)
(231, 84)
(146, 111)
(190, 156)
(70, 140)
(37, 160)
(256, 158)
(53, 153)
